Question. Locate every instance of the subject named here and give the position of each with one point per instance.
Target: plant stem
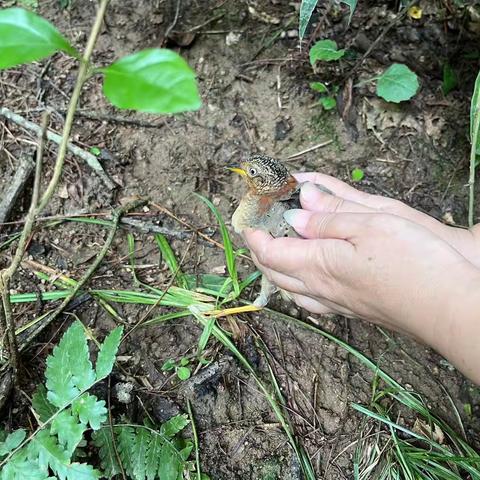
(195, 441)
(473, 161)
(82, 76)
(6, 321)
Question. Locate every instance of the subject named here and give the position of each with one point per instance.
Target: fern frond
(152, 457)
(68, 430)
(90, 410)
(103, 440)
(107, 353)
(69, 369)
(43, 408)
(125, 442)
(12, 441)
(20, 467)
(140, 448)
(174, 425)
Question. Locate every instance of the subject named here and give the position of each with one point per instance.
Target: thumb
(342, 226)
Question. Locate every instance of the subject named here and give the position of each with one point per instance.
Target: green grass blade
(227, 243)
(171, 260)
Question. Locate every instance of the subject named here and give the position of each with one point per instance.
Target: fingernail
(297, 218)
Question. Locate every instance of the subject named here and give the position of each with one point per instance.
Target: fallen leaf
(415, 12)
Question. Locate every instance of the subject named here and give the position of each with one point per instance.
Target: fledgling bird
(272, 190)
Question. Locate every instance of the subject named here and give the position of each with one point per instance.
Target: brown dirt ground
(256, 98)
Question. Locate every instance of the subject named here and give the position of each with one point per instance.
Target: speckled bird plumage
(272, 190)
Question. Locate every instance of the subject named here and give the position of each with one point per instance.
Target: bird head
(264, 175)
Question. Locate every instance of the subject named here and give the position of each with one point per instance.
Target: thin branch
(48, 319)
(83, 73)
(6, 320)
(89, 158)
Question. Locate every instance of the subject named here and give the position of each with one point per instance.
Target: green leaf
(140, 448)
(306, 9)
(357, 174)
(68, 430)
(171, 260)
(328, 103)
(125, 441)
(476, 92)
(184, 361)
(43, 408)
(183, 373)
(80, 471)
(12, 441)
(168, 365)
(152, 457)
(103, 440)
(107, 353)
(20, 468)
(171, 464)
(26, 37)
(397, 83)
(153, 80)
(449, 79)
(205, 336)
(44, 448)
(353, 5)
(319, 87)
(174, 425)
(90, 410)
(325, 50)
(95, 151)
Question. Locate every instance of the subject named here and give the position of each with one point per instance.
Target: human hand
(348, 199)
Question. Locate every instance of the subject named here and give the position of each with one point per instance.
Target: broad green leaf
(306, 9)
(107, 353)
(12, 441)
(449, 79)
(325, 50)
(357, 174)
(43, 408)
(174, 425)
(328, 103)
(26, 37)
(140, 447)
(80, 363)
(353, 5)
(397, 83)
(183, 373)
(152, 457)
(168, 365)
(90, 410)
(103, 440)
(68, 430)
(319, 87)
(153, 80)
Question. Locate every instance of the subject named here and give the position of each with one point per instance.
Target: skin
(375, 258)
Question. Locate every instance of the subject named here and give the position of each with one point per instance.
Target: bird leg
(267, 289)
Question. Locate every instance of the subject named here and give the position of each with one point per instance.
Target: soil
(256, 97)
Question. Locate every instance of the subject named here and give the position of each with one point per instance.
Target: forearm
(459, 340)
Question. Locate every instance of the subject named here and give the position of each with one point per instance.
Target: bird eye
(252, 171)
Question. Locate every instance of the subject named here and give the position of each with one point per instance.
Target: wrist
(456, 334)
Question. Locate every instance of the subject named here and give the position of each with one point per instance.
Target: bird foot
(261, 301)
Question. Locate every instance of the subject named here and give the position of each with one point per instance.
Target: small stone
(123, 392)
(232, 38)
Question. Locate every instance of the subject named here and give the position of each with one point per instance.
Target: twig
(117, 214)
(91, 160)
(311, 149)
(6, 321)
(16, 186)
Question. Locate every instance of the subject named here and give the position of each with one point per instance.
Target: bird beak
(240, 171)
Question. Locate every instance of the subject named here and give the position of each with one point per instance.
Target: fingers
(315, 200)
(340, 226)
(339, 188)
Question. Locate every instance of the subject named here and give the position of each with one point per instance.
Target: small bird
(272, 190)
